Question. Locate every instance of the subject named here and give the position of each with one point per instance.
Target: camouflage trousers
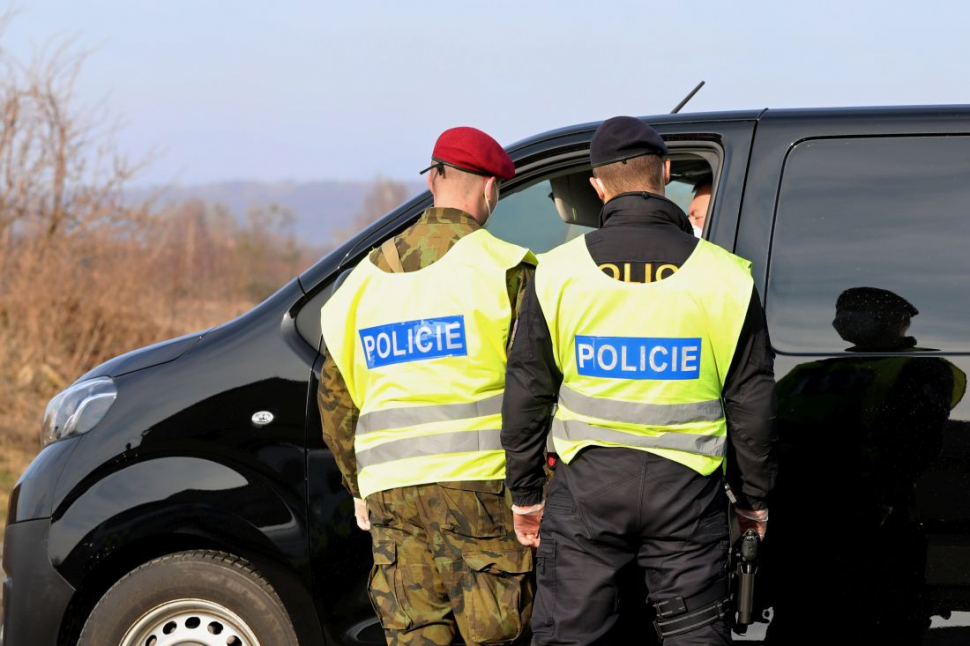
(446, 559)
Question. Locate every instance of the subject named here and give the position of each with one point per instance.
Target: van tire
(201, 593)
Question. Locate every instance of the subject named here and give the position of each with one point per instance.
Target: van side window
(869, 249)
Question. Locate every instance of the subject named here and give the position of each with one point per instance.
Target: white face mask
(698, 233)
(488, 203)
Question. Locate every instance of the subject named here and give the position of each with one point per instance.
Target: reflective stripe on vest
(636, 413)
(423, 354)
(577, 431)
(438, 444)
(643, 364)
(412, 416)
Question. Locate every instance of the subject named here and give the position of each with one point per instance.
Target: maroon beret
(473, 151)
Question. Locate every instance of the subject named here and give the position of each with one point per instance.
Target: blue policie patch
(418, 340)
(627, 357)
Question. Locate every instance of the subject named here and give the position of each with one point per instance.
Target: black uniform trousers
(608, 508)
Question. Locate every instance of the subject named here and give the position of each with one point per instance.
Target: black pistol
(747, 567)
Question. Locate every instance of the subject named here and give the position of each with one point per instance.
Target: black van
(184, 493)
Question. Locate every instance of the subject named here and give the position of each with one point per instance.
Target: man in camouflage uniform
(445, 553)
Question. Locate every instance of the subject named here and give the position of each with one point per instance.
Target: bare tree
(60, 170)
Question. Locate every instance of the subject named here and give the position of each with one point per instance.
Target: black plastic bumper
(34, 594)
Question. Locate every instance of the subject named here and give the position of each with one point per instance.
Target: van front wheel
(199, 597)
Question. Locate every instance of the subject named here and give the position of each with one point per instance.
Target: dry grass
(80, 299)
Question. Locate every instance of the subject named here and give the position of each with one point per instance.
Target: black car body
(875, 468)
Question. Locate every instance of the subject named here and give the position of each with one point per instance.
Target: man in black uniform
(611, 506)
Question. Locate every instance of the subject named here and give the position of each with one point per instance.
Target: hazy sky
(345, 90)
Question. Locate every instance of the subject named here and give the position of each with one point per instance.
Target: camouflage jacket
(424, 242)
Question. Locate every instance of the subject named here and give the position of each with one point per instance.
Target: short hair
(460, 180)
(701, 184)
(643, 173)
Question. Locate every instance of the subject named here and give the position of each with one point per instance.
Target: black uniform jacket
(641, 232)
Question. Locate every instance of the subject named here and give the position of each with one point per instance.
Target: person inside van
(697, 213)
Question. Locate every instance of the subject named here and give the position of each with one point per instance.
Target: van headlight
(77, 409)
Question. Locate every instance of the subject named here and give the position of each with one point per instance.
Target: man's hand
(526, 521)
(360, 511)
(750, 519)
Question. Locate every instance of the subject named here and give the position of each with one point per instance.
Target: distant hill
(320, 208)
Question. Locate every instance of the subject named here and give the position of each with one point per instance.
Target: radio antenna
(687, 98)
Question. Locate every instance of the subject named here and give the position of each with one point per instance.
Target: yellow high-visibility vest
(423, 354)
(644, 364)
(871, 382)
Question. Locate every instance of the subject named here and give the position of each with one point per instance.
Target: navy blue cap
(622, 138)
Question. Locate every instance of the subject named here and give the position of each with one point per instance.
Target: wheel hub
(190, 622)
